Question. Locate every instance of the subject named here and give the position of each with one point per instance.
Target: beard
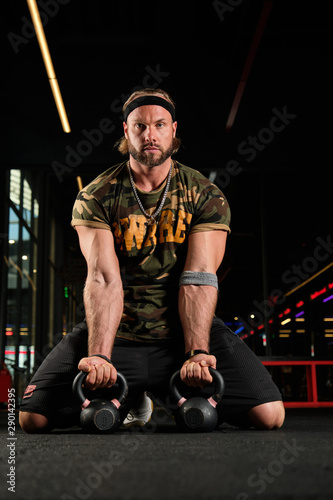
(150, 159)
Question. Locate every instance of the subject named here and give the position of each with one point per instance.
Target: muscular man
(153, 233)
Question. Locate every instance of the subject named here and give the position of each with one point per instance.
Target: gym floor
(159, 462)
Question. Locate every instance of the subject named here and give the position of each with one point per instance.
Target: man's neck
(149, 178)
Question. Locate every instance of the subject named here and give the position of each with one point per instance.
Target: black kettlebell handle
(78, 389)
(217, 379)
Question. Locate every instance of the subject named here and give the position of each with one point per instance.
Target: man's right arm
(103, 301)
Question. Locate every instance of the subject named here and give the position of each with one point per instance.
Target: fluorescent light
(308, 280)
(79, 183)
(212, 175)
(36, 20)
(60, 105)
(248, 63)
(239, 329)
(319, 292)
(285, 321)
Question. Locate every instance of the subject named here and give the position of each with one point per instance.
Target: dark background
(197, 51)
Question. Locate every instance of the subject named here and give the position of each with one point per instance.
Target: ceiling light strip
(308, 280)
(248, 63)
(36, 20)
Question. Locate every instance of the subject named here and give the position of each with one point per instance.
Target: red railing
(311, 379)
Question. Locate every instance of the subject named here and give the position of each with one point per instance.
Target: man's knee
(33, 423)
(267, 416)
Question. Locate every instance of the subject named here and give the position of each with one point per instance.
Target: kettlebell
(197, 414)
(99, 415)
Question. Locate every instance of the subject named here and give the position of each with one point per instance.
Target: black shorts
(148, 367)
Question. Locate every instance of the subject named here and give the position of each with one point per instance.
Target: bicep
(205, 251)
(97, 247)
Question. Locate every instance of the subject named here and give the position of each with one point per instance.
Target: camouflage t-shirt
(151, 257)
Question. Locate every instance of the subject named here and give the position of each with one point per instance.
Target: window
(21, 261)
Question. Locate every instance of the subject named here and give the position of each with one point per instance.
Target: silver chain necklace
(151, 218)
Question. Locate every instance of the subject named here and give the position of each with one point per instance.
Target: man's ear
(125, 129)
(174, 126)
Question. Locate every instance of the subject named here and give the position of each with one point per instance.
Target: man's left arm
(197, 304)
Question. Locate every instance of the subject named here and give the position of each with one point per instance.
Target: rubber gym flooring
(159, 462)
